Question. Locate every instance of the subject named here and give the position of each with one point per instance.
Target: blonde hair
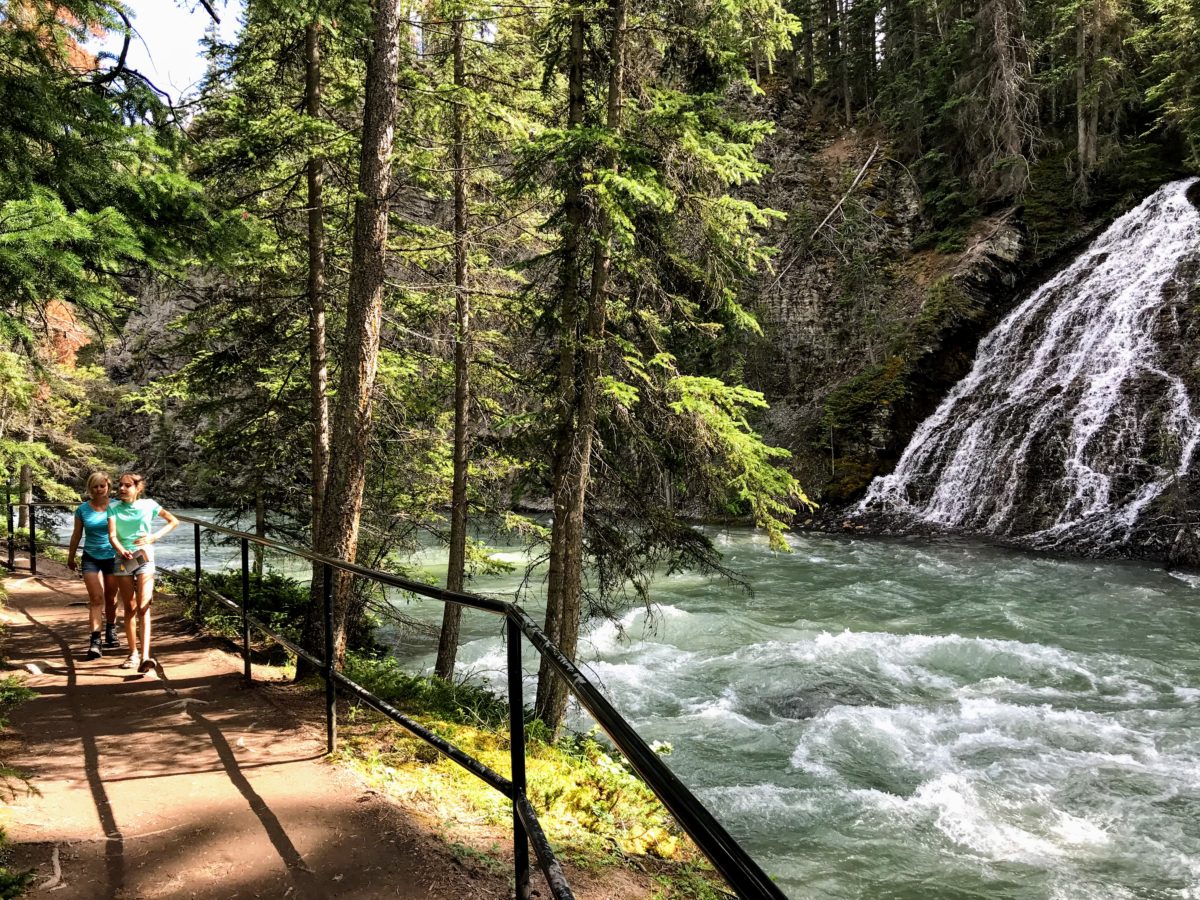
(96, 477)
(139, 483)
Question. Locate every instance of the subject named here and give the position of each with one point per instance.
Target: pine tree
(651, 244)
(92, 187)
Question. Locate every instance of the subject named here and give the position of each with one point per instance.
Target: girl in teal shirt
(131, 531)
(99, 558)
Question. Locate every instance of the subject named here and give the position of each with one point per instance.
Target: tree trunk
(452, 615)
(810, 66)
(25, 488)
(833, 40)
(317, 366)
(337, 533)
(260, 529)
(1085, 106)
(844, 61)
(563, 577)
(571, 501)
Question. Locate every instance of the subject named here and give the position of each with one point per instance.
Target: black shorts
(103, 566)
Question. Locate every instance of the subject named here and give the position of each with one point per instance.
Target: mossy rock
(850, 479)
(878, 386)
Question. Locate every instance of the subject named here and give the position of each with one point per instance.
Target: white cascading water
(1076, 417)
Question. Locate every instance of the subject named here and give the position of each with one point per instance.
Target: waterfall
(1079, 416)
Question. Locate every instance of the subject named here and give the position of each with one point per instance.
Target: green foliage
(453, 701)
(43, 407)
(12, 884)
(91, 188)
(12, 692)
(857, 405)
(92, 196)
(986, 104)
(278, 601)
(946, 306)
(47, 540)
(880, 385)
(588, 799)
(666, 245)
(754, 479)
(1171, 41)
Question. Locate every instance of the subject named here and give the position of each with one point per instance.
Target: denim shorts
(103, 566)
(133, 566)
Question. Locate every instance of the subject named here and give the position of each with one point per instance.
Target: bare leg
(95, 592)
(110, 599)
(145, 596)
(125, 589)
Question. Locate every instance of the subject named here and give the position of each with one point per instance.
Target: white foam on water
(962, 815)
(1190, 579)
(1080, 832)
(634, 627)
(805, 759)
(721, 712)
(934, 662)
(953, 755)
(1030, 784)
(769, 801)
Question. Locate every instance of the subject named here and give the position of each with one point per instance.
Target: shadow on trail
(186, 834)
(114, 850)
(283, 845)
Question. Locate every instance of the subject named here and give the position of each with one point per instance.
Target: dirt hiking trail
(184, 782)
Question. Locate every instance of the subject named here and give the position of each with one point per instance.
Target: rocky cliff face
(868, 325)
(865, 328)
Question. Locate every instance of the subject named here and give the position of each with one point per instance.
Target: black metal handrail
(736, 866)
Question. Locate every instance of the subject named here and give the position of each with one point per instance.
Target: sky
(166, 48)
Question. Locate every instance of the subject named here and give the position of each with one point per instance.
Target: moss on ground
(595, 811)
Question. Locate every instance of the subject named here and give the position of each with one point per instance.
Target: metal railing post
(199, 598)
(516, 741)
(330, 687)
(12, 538)
(32, 538)
(246, 607)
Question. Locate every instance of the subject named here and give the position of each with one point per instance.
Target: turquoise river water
(906, 719)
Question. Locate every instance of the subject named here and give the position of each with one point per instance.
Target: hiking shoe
(110, 639)
(148, 664)
(132, 661)
(94, 651)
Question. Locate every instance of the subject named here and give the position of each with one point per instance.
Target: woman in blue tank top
(91, 523)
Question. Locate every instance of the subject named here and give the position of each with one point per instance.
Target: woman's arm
(115, 541)
(172, 524)
(75, 535)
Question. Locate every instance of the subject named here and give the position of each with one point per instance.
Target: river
(913, 719)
